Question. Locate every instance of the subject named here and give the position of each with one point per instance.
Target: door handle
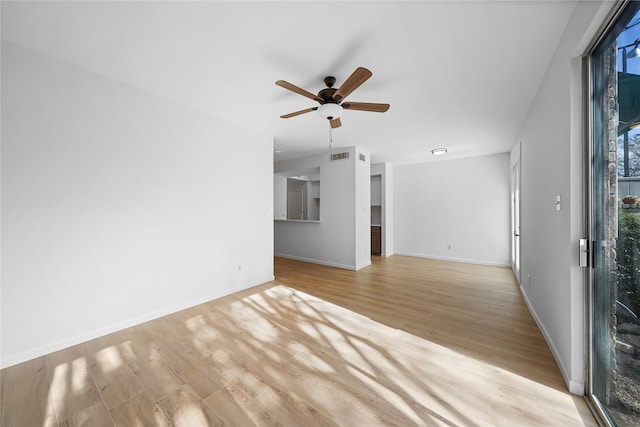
(584, 253)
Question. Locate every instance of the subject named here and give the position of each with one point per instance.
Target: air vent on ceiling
(340, 156)
(362, 157)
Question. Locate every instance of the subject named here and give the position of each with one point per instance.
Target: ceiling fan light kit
(330, 99)
(330, 111)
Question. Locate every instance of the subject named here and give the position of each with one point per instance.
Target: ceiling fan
(331, 99)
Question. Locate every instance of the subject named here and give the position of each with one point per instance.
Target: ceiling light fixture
(330, 111)
(438, 151)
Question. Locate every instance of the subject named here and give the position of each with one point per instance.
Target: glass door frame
(593, 402)
(597, 407)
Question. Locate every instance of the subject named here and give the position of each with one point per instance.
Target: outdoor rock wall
(612, 215)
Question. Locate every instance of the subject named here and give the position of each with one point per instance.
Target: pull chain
(330, 136)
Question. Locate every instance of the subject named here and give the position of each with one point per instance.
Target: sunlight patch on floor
(109, 359)
(190, 415)
(79, 376)
(58, 388)
(408, 373)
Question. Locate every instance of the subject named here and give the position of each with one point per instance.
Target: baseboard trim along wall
(463, 260)
(575, 387)
(322, 262)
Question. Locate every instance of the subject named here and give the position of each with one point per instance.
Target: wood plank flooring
(404, 342)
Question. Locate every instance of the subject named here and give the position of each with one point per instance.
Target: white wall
(119, 206)
(332, 240)
(279, 196)
(551, 152)
(363, 209)
(388, 216)
(463, 203)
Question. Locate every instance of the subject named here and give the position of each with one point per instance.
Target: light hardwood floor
(404, 342)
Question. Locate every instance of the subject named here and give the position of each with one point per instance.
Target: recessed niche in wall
(376, 215)
(376, 190)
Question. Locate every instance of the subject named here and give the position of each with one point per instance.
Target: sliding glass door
(614, 302)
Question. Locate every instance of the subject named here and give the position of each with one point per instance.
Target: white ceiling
(457, 74)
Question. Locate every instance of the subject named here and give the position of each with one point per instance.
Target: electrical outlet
(449, 246)
(239, 267)
(529, 279)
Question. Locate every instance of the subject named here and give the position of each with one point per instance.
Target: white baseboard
(575, 387)
(15, 359)
(363, 265)
(464, 260)
(320, 261)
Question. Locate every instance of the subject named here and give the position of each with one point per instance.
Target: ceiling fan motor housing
(327, 94)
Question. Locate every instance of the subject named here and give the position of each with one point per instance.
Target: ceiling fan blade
(297, 113)
(359, 76)
(335, 123)
(298, 90)
(366, 106)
